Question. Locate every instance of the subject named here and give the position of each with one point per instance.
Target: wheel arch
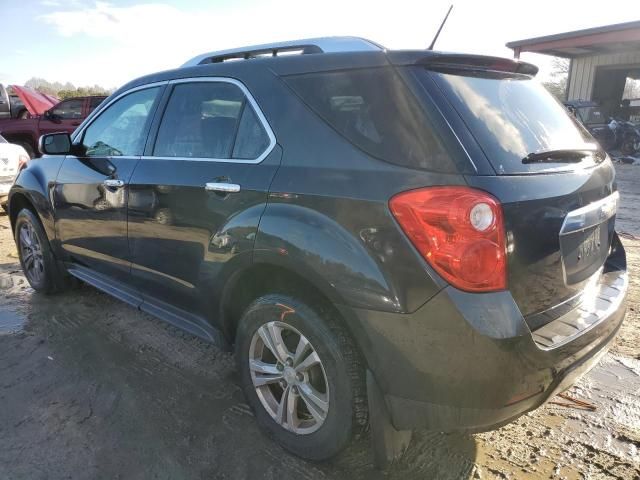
(31, 191)
(19, 201)
(265, 278)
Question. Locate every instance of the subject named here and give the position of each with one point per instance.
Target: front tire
(36, 258)
(301, 375)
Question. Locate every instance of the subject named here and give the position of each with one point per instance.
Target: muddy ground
(91, 388)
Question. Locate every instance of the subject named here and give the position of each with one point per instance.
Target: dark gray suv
(410, 239)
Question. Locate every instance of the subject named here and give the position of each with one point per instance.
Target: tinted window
(373, 109)
(68, 109)
(203, 119)
(251, 140)
(121, 128)
(94, 102)
(511, 116)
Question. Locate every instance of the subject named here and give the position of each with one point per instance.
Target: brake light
(459, 231)
(23, 160)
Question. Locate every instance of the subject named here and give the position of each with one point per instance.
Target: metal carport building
(601, 59)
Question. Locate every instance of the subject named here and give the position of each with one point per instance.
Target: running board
(193, 324)
(106, 285)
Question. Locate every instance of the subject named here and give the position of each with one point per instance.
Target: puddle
(11, 322)
(614, 387)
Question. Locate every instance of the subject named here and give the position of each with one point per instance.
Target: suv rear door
(198, 193)
(64, 117)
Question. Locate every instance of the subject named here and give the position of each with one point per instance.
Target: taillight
(23, 160)
(459, 231)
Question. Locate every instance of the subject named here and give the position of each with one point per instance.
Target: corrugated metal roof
(608, 38)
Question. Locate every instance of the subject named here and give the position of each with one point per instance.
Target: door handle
(113, 183)
(222, 187)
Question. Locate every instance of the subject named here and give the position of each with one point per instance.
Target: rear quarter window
(374, 110)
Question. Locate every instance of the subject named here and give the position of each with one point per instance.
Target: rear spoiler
(461, 61)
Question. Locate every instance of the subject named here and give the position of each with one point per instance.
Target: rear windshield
(512, 116)
(374, 110)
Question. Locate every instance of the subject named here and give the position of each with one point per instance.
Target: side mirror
(55, 144)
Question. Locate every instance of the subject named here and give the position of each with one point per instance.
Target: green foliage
(65, 90)
(557, 83)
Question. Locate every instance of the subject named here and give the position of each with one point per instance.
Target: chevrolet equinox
(413, 237)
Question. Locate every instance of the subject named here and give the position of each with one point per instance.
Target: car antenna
(440, 29)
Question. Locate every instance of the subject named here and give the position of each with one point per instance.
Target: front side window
(69, 109)
(210, 120)
(121, 128)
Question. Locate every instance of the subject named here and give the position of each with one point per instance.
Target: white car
(12, 159)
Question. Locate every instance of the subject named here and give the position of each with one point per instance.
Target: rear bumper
(470, 362)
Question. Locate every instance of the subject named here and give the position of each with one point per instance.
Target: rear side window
(94, 102)
(373, 109)
(210, 120)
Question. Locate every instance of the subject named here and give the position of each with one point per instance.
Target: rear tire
(36, 258)
(328, 398)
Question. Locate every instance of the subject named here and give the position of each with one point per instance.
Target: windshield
(512, 116)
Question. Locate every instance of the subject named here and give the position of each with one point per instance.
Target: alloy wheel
(31, 253)
(289, 377)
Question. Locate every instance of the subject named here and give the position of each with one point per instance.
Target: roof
(251, 69)
(590, 41)
(306, 45)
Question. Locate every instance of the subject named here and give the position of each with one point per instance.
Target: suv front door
(64, 117)
(91, 188)
(198, 193)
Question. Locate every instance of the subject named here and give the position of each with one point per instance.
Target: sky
(108, 43)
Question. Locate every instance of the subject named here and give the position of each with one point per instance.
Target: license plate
(583, 253)
(590, 246)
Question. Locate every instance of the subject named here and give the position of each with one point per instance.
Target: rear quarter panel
(328, 218)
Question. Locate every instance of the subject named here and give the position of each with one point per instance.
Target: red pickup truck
(48, 115)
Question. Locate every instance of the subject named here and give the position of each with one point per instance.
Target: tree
(66, 90)
(557, 83)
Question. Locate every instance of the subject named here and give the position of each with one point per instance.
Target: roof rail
(304, 46)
